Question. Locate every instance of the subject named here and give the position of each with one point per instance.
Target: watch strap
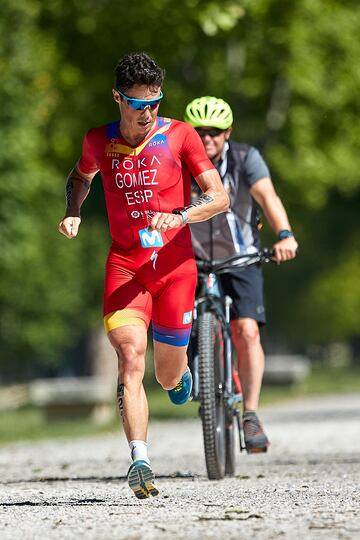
(183, 213)
(284, 233)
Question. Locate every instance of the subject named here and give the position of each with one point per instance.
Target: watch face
(284, 234)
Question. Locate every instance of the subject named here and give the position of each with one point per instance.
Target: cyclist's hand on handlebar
(163, 221)
(285, 250)
(69, 226)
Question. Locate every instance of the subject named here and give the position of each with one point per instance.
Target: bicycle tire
(211, 384)
(230, 460)
(230, 429)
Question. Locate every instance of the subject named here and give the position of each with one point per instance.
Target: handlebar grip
(267, 252)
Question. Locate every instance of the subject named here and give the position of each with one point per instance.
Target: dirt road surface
(306, 487)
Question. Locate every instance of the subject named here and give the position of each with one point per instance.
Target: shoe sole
(256, 450)
(187, 400)
(141, 481)
(260, 448)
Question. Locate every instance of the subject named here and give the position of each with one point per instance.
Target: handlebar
(234, 262)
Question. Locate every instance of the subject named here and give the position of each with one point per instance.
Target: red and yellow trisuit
(150, 275)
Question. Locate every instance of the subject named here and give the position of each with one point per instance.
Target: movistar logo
(150, 239)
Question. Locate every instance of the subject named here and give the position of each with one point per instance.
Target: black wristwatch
(183, 213)
(285, 233)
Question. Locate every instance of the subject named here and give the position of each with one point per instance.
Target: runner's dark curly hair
(138, 68)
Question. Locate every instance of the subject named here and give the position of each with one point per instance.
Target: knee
(246, 332)
(167, 380)
(131, 361)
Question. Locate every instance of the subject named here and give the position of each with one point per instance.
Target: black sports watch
(183, 213)
(285, 233)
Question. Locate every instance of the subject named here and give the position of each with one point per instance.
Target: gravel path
(306, 487)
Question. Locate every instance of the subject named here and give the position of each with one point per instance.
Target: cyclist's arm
(264, 193)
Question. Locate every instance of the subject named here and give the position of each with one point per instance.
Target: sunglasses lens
(151, 105)
(136, 105)
(139, 105)
(214, 132)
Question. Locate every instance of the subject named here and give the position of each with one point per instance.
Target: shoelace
(252, 426)
(179, 386)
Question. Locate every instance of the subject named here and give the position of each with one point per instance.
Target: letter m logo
(150, 239)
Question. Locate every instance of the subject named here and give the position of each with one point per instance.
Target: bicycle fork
(228, 348)
(233, 393)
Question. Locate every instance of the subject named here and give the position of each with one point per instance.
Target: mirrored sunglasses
(141, 104)
(212, 132)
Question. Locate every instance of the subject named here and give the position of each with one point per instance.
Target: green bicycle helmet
(209, 111)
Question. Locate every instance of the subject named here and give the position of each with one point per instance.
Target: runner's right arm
(77, 189)
(78, 185)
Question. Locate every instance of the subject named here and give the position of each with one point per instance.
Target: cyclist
(146, 162)
(246, 179)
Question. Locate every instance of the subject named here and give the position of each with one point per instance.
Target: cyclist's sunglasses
(212, 132)
(141, 104)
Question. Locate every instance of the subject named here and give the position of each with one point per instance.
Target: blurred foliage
(44, 293)
(291, 73)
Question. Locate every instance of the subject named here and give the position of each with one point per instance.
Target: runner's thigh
(126, 300)
(173, 307)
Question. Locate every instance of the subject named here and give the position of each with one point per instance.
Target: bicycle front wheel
(211, 387)
(230, 443)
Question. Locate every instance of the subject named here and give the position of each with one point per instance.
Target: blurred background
(290, 71)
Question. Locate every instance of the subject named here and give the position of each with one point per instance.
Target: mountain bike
(216, 383)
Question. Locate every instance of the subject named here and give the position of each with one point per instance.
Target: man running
(146, 163)
(246, 178)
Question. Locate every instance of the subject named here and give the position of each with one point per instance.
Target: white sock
(139, 450)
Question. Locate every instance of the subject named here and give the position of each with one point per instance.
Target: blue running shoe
(141, 479)
(182, 391)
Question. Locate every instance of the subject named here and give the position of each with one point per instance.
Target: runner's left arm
(213, 199)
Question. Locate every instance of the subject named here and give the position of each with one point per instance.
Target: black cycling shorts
(246, 288)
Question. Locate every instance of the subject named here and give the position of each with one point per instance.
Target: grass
(29, 423)
(323, 379)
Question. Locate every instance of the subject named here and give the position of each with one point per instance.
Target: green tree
(310, 53)
(290, 71)
(42, 296)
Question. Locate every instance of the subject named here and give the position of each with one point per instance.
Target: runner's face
(214, 144)
(138, 122)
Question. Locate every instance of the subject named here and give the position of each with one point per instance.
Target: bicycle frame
(210, 299)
